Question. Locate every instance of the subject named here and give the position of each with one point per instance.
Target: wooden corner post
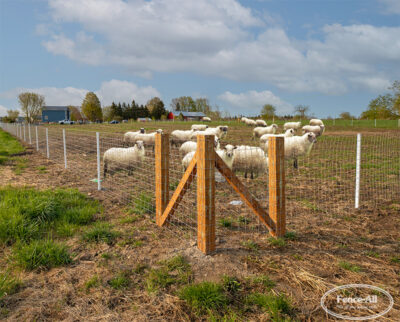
(205, 193)
(276, 155)
(162, 174)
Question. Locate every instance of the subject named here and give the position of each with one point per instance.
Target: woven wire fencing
(323, 182)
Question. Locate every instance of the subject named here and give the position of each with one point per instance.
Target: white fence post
(29, 133)
(98, 161)
(65, 149)
(398, 123)
(375, 122)
(24, 134)
(47, 143)
(37, 138)
(358, 165)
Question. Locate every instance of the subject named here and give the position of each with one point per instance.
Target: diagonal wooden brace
(180, 191)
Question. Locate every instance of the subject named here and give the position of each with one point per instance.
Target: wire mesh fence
(323, 181)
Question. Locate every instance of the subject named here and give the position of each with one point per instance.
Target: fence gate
(204, 163)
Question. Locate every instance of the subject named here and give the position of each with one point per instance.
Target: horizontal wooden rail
(246, 196)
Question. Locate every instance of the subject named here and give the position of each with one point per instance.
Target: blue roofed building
(191, 116)
(55, 113)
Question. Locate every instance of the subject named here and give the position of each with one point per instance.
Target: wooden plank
(162, 174)
(277, 184)
(205, 193)
(180, 191)
(244, 194)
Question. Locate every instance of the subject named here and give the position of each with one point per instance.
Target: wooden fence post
(277, 184)
(162, 174)
(205, 193)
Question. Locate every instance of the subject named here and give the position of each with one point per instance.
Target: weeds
(100, 232)
(8, 284)
(9, 146)
(120, 281)
(225, 222)
(263, 280)
(275, 305)
(251, 245)
(349, 267)
(277, 242)
(92, 282)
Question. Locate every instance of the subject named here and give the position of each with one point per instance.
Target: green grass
(42, 254)
(8, 284)
(100, 232)
(231, 284)
(263, 280)
(92, 282)
(395, 259)
(371, 253)
(291, 235)
(144, 204)
(349, 267)
(41, 169)
(27, 214)
(251, 245)
(120, 281)
(277, 242)
(9, 146)
(175, 270)
(276, 305)
(20, 165)
(225, 222)
(204, 297)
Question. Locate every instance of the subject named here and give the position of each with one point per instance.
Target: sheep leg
(245, 174)
(295, 163)
(105, 170)
(251, 175)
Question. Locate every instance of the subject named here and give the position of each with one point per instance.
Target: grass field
(8, 146)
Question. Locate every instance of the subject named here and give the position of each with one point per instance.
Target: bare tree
(31, 105)
(302, 110)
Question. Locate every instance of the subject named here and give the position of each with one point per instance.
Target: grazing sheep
(179, 136)
(190, 146)
(250, 159)
(316, 122)
(220, 131)
(317, 129)
(243, 119)
(123, 158)
(250, 122)
(296, 146)
(292, 125)
(206, 119)
(264, 139)
(260, 131)
(130, 137)
(261, 123)
(149, 139)
(199, 127)
(225, 154)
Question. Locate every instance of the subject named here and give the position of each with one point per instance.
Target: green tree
(380, 108)
(203, 105)
(31, 105)
(184, 103)
(346, 116)
(302, 110)
(91, 107)
(268, 111)
(156, 108)
(12, 115)
(396, 97)
(108, 113)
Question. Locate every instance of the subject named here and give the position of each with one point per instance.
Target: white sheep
(316, 122)
(199, 127)
(226, 154)
(292, 125)
(250, 159)
(243, 119)
(316, 129)
(130, 137)
(261, 123)
(149, 139)
(206, 119)
(260, 131)
(250, 122)
(264, 139)
(123, 158)
(296, 146)
(179, 136)
(190, 146)
(220, 131)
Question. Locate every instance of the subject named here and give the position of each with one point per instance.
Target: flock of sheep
(240, 158)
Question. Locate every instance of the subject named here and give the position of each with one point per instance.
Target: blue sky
(331, 55)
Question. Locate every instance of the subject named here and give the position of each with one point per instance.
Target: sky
(332, 55)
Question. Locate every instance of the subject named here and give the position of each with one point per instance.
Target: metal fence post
(358, 165)
(65, 149)
(47, 143)
(29, 134)
(24, 134)
(277, 210)
(162, 174)
(375, 122)
(37, 138)
(205, 193)
(98, 161)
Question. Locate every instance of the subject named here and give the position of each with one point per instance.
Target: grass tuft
(277, 242)
(9, 146)
(92, 282)
(100, 232)
(144, 204)
(120, 281)
(225, 222)
(275, 305)
(349, 267)
(42, 254)
(8, 284)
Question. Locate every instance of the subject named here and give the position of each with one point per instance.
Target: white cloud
(218, 38)
(250, 102)
(3, 110)
(391, 6)
(113, 90)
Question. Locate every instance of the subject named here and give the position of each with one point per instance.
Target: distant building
(188, 116)
(55, 113)
(144, 119)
